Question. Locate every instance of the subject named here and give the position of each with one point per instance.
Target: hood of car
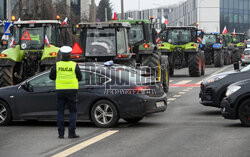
(8, 88)
(241, 83)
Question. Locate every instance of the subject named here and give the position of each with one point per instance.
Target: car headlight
(232, 89)
(214, 78)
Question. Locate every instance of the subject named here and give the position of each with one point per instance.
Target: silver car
(246, 57)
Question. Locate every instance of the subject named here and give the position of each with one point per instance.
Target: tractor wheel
(194, 64)
(153, 62)
(165, 72)
(218, 58)
(203, 68)
(6, 76)
(227, 58)
(171, 64)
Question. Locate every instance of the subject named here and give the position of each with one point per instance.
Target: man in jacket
(66, 73)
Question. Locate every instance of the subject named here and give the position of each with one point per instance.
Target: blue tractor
(213, 49)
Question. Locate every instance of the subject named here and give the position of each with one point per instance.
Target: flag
(224, 30)
(115, 16)
(65, 22)
(234, 32)
(199, 40)
(163, 20)
(47, 40)
(12, 43)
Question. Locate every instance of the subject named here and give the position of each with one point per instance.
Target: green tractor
(227, 41)
(102, 41)
(142, 42)
(239, 39)
(180, 44)
(36, 46)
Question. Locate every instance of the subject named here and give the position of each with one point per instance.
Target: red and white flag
(65, 22)
(199, 39)
(47, 40)
(158, 40)
(12, 43)
(224, 30)
(115, 16)
(163, 20)
(234, 32)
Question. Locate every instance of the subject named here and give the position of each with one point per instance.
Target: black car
(213, 89)
(106, 94)
(236, 104)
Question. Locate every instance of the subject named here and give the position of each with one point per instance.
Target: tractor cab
(180, 35)
(102, 41)
(209, 39)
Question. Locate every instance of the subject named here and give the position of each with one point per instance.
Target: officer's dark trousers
(66, 98)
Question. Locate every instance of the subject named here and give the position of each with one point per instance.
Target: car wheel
(104, 114)
(244, 113)
(133, 120)
(5, 114)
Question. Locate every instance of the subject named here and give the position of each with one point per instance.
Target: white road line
(199, 82)
(177, 96)
(171, 81)
(182, 92)
(85, 144)
(171, 99)
(189, 88)
(184, 82)
(185, 90)
(218, 71)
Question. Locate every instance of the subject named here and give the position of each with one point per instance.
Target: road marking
(85, 144)
(185, 90)
(218, 71)
(183, 82)
(171, 99)
(189, 88)
(184, 85)
(177, 96)
(199, 82)
(171, 80)
(182, 92)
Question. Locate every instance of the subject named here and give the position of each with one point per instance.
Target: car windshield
(101, 42)
(209, 39)
(136, 34)
(247, 68)
(247, 52)
(179, 36)
(32, 38)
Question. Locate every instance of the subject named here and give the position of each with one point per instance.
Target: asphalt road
(186, 129)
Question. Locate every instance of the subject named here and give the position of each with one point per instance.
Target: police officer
(67, 74)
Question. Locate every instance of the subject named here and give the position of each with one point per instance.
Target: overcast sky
(144, 4)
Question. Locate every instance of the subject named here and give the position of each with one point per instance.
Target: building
(212, 15)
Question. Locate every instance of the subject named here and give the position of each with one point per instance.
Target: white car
(248, 43)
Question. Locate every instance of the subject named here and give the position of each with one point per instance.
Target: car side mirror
(26, 86)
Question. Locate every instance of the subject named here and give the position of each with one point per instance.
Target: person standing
(66, 73)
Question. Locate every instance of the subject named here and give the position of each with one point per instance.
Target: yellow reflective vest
(65, 75)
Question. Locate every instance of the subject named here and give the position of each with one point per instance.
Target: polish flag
(115, 16)
(199, 40)
(12, 43)
(163, 20)
(65, 22)
(158, 40)
(234, 32)
(47, 40)
(225, 30)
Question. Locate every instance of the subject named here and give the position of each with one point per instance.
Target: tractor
(181, 47)
(239, 39)
(228, 47)
(3, 42)
(213, 49)
(142, 43)
(36, 47)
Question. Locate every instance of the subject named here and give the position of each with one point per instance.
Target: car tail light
(76, 49)
(3, 55)
(243, 56)
(140, 89)
(146, 46)
(53, 54)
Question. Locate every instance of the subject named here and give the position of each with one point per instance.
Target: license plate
(160, 104)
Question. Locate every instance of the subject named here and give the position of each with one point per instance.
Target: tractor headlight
(231, 90)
